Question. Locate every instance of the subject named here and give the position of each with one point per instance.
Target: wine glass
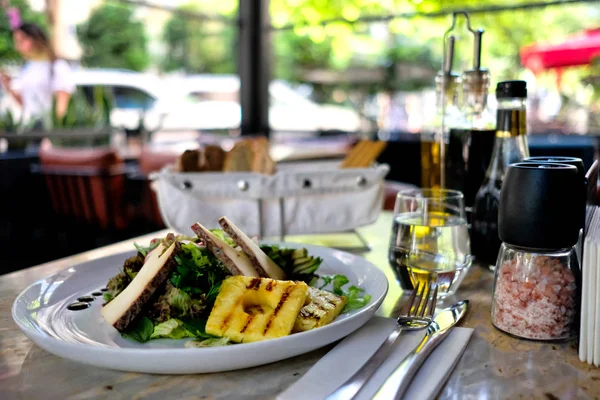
(430, 239)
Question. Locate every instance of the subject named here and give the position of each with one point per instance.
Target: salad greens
(172, 328)
(355, 298)
(212, 342)
(144, 250)
(197, 327)
(177, 303)
(140, 330)
(296, 263)
(180, 307)
(198, 272)
(221, 235)
(117, 283)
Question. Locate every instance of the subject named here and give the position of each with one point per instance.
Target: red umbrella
(576, 50)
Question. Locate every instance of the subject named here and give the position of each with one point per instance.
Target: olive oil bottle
(446, 117)
(510, 146)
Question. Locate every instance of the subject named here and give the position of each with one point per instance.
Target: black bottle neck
(511, 137)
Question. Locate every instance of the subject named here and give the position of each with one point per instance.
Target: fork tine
(425, 299)
(432, 303)
(406, 309)
(419, 297)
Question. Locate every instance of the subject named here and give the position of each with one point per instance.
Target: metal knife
(397, 383)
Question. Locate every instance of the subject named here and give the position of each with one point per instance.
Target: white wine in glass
(430, 239)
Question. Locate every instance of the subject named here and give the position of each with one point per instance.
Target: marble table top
(494, 365)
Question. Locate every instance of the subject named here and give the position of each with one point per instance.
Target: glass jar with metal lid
(537, 275)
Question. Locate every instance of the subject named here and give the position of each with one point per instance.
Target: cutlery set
(416, 314)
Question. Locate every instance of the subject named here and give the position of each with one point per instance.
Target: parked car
(288, 109)
(140, 97)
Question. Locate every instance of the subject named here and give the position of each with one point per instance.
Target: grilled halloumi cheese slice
(320, 309)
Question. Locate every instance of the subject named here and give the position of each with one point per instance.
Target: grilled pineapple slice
(250, 309)
(321, 308)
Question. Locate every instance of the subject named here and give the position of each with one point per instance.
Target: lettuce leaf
(212, 342)
(172, 329)
(176, 303)
(338, 282)
(140, 330)
(197, 327)
(355, 297)
(144, 250)
(198, 272)
(221, 235)
(178, 329)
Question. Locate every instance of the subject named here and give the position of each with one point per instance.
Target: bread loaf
(214, 157)
(239, 158)
(262, 162)
(189, 161)
(247, 155)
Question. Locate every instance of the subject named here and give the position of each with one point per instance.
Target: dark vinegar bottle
(510, 146)
(482, 133)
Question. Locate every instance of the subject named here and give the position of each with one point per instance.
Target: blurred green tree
(8, 54)
(199, 46)
(112, 38)
(337, 45)
(312, 43)
(407, 52)
(295, 53)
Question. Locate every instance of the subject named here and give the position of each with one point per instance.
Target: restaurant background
(174, 76)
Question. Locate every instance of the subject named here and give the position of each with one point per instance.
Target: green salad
(180, 306)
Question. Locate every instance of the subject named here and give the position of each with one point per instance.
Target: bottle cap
(540, 206)
(511, 89)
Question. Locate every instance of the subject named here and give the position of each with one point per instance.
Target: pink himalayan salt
(537, 302)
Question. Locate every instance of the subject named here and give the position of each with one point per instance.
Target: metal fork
(415, 315)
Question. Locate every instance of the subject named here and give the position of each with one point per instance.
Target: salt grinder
(537, 275)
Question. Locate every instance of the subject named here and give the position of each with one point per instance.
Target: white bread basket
(300, 199)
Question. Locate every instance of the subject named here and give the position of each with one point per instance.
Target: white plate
(41, 313)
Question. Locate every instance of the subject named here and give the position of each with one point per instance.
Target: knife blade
(397, 383)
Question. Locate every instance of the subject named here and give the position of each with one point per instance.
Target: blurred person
(397, 118)
(414, 110)
(14, 17)
(42, 79)
(382, 101)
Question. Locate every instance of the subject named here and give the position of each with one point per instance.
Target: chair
(23, 212)
(391, 190)
(86, 186)
(142, 197)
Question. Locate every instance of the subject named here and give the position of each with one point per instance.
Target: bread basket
(299, 199)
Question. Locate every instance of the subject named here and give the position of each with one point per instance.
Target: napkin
(589, 336)
(589, 330)
(352, 353)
